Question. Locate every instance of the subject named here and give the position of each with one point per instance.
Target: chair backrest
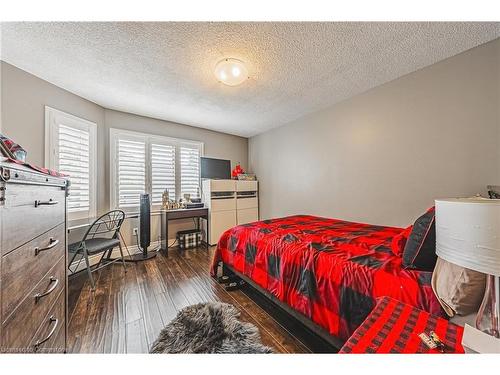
(106, 226)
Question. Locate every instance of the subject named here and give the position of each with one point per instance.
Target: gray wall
(23, 100)
(383, 156)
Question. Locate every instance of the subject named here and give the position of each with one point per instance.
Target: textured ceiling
(165, 69)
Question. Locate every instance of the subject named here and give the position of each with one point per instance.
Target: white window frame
(53, 117)
(116, 134)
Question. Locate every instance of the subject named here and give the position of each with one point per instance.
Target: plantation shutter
(73, 159)
(144, 163)
(162, 171)
(190, 170)
(131, 177)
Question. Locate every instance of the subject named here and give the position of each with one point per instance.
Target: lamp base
(488, 316)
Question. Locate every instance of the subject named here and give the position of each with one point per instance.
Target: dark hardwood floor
(127, 310)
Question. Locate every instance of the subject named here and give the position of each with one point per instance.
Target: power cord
(136, 234)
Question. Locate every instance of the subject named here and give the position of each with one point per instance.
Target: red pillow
(399, 241)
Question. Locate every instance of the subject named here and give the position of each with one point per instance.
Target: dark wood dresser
(33, 280)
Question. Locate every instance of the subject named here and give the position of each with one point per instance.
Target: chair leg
(73, 259)
(123, 240)
(110, 251)
(89, 271)
(100, 261)
(123, 260)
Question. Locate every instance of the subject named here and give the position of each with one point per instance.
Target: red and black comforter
(329, 270)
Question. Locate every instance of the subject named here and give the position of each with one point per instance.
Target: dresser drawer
(246, 185)
(28, 211)
(24, 267)
(20, 327)
(248, 215)
(219, 223)
(244, 203)
(222, 185)
(222, 204)
(51, 336)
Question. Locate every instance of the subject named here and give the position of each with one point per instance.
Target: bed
(328, 271)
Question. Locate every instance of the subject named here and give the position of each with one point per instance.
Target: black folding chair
(101, 237)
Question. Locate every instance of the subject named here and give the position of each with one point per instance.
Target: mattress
(331, 271)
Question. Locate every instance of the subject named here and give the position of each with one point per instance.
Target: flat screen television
(215, 168)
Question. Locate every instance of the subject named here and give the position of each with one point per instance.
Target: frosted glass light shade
(231, 72)
(468, 233)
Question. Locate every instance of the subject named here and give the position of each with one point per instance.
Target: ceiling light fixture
(231, 72)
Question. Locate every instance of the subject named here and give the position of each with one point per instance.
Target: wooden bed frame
(309, 333)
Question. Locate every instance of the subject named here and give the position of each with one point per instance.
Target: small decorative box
(188, 239)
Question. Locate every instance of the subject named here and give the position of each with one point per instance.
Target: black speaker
(144, 231)
(145, 222)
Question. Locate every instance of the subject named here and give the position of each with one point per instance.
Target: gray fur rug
(209, 328)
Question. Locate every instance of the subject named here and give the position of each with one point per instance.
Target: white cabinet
(223, 204)
(222, 185)
(242, 203)
(246, 186)
(230, 203)
(247, 215)
(220, 222)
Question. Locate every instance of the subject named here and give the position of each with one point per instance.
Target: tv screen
(215, 168)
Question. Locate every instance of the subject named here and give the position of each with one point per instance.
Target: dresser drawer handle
(54, 281)
(54, 320)
(50, 202)
(52, 243)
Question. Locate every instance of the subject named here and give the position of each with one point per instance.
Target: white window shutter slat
(190, 171)
(74, 160)
(131, 160)
(162, 171)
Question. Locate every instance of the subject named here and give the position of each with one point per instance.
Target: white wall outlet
(135, 231)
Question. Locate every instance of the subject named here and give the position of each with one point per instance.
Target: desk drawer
(20, 327)
(28, 211)
(24, 267)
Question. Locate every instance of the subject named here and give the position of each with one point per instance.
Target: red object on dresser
(393, 327)
(237, 171)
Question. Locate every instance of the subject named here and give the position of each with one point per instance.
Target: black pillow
(420, 249)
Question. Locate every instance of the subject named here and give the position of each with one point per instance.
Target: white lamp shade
(468, 233)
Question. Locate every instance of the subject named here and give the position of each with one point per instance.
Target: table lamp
(468, 235)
